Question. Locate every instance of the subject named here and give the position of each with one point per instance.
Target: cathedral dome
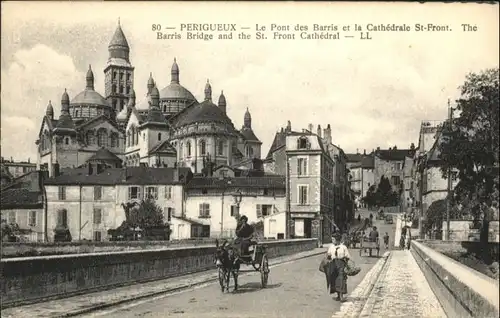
(204, 112)
(176, 91)
(89, 97)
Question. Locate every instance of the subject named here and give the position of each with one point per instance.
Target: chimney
(395, 148)
(364, 152)
(378, 148)
(282, 130)
(328, 135)
(90, 169)
(357, 151)
(319, 131)
(310, 128)
(289, 127)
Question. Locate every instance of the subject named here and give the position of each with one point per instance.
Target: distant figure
(407, 239)
(386, 240)
(359, 218)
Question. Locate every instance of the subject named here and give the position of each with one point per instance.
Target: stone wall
(462, 291)
(33, 279)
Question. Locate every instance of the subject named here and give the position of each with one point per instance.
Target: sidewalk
(87, 303)
(402, 291)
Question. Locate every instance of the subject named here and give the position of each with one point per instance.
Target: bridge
(419, 282)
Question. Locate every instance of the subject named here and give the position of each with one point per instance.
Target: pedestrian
(386, 240)
(407, 239)
(339, 255)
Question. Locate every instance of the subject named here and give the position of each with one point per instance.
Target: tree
(384, 196)
(471, 143)
(370, 198)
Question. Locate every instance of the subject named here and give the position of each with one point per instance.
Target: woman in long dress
(339, 255)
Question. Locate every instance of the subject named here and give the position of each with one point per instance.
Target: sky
(373, 93)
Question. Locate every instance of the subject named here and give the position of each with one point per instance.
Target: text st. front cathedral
(169, 128)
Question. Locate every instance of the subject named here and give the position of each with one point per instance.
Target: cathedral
(169, 128)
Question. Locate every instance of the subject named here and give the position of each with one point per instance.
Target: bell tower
(119, 72)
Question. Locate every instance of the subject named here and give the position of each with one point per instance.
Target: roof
(202, 112)
(240, 182)
(20, 198)
(65, 122)
(434, 154)
(155, 116)
(114, 176)
(278, 142)
(89, 97)
(365, 161)
(394, 154)
(249, 135)
(177, 92)
(119, 38)
(354, 157)
(104, 154)
(163, 147)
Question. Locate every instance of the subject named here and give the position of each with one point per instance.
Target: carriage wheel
(264, 271)
(222, 278)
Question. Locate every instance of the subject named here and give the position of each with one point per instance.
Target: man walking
(386, 240)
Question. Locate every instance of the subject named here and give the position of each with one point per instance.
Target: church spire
(175, 72)
(118, 47)
(222, 101)
(90, 78)
(50, 110)
(247, 121)
(151, 83)
(208, 91)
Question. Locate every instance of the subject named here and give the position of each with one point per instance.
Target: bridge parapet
(462, 291)
(33, 279)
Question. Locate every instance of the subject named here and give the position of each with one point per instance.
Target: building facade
(15, 169)
(361, 174)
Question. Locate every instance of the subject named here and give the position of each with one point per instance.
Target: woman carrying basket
(339, 256)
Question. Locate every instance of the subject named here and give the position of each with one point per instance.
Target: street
(295, 289)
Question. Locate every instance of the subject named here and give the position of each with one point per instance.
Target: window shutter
(259, 210)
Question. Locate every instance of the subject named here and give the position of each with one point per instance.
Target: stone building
(361, 174)
(15, 169)
(389, 163)
(168, 128)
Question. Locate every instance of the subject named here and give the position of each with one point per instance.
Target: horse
(226, 260)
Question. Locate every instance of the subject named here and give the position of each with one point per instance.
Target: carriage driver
(244, 232)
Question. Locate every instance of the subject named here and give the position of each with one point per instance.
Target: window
(266, 191)
(264, 210)
(302, 166)
(66, 141)
(114, 75)
(133, 193)
(121, 76)
(102, 138)
(249, 151)
(168, 212)
(220, 149)
(62, 193)
(121, 89)
(234, 210)
(97, 193)
(32, 218)
(114, 140)
(188, 149)
(76, 113)
(114, 104)
(204, 210)
(203, 147)
(396, 180)
(168, 192)
(152, 193)
(62, 218)
(302, 143)
(122, 104)
(97, 236)
(397, 166)
(113, 88)
(12, 217)
(159, 136)
(303, 194)
(128, 89)
(128, 76)
(204, 191)
(97, 216)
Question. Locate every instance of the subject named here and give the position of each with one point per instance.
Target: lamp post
(225, 185)
(237, 196)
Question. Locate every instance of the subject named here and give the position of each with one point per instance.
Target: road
(295, 289)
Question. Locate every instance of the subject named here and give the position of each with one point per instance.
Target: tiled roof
(239, 182)
(394, 154)
(112, 176)
(354, 157)
(368, 162)
(104, 154)
(163, 147)
(20, 198)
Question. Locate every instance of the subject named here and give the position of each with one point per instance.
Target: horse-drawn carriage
(229, 263)
(368, 246)
(354, 238)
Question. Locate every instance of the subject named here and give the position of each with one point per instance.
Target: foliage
(382, 194)
(436, 214)
(147, 217)
(470, 147)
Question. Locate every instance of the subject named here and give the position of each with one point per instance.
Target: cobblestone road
(295, 289)
(402, 291)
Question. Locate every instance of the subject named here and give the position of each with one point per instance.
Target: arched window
(181, 150)
(220, 148)
(113, 88)
(90, 138)
(203, 147)
(76, 113)
(102, 138)
(128, 138)
(303, 143)
(159, 136)
(137, 136)
(188, 149)
(249, 151)
(66, 141)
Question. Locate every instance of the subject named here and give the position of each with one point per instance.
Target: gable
(133, 120)
(98, 123)
(46, 126)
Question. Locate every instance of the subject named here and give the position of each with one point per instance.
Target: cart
(368, 246)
